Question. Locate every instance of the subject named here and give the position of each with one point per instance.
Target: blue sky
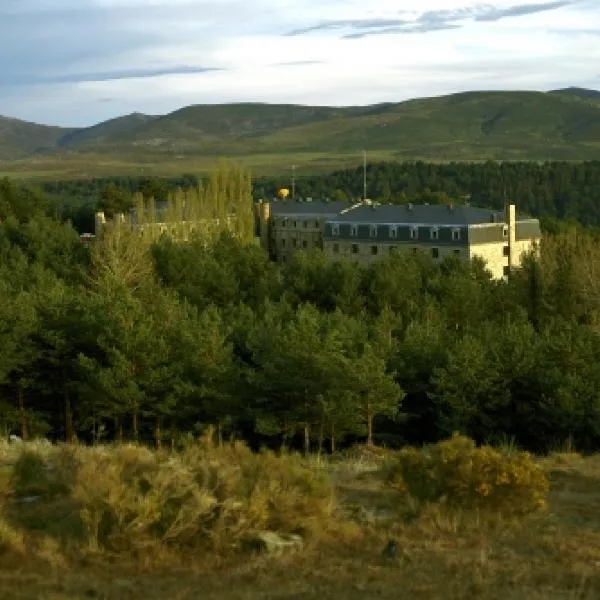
(78, 62)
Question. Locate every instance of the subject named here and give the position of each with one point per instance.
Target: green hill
(100, 132)
(562, 124)
(19, 139)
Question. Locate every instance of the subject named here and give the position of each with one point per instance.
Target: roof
(291, 207)
(438, 214)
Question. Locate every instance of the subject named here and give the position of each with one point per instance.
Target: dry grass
(554, 554)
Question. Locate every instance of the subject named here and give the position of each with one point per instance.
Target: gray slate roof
(282, 208)
(437, 214)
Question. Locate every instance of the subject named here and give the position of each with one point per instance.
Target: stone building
(369, 231)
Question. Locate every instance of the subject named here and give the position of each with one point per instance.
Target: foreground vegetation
(173, 524)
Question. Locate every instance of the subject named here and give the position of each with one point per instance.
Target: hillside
(562, 124)
(19, 139)
(98, 133)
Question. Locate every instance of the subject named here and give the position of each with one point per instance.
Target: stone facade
(368, 231)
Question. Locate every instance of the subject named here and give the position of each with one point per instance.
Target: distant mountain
(561, 124)
(579, 92)
(19, 139)
(98, 133)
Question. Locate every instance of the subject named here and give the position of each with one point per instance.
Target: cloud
(412, 28)
(77, 62)
(125, 74)
(298, 63)
(349, 23)
(520, 10)
(430, 21)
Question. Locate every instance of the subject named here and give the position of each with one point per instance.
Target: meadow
(130, 522)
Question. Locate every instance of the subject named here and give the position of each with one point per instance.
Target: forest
(553, 190)
(123, 340)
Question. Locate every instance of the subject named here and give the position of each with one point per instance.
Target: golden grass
(554, 554)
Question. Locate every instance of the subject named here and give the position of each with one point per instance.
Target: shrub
(131, 498)
(459, 475)
(44, 474)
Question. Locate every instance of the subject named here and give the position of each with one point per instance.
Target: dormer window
(393, 232)
(414, 233)
(373, 231)
(353, 230)
(456, 235)
(434, 233)
(335, 229)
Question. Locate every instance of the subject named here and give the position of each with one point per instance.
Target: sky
(78, 62)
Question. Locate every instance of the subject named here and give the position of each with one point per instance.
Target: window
(505, 232)
(305, 224)
(295, 224)
(435, 252)
(294, 243)
(283, 259)
(415, 250)
(506, 251)
(316, 224)
(393, 232)
(284, 222)
(373, 231)
(304, 244)
(283, 242)
(336, 248)
(393, 249)
(354, 248)
(354, 230)
(374, 250)
(457, 252)
(456, 235)
(506, 271)
(414, 233)
(335, 229)
(434, 233)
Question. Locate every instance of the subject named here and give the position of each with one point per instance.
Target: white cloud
(68, 61)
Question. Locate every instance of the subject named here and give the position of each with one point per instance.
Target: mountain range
(561, 124)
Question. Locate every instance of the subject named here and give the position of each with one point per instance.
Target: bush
(131, 499)
(44, 474)
(459, 475)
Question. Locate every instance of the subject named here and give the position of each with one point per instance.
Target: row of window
(294, 242)
(434, 232)
(305, 224)
(375, 250)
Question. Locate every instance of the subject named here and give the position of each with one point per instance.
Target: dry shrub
(11, 539)
(131, 498)
(459, 475)
(44, 473)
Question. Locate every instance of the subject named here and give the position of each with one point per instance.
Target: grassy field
(554, 554)
(87, 166)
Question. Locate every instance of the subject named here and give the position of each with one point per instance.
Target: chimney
(511, 222)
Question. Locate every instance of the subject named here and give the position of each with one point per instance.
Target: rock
(274, 543)
(27, 499)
